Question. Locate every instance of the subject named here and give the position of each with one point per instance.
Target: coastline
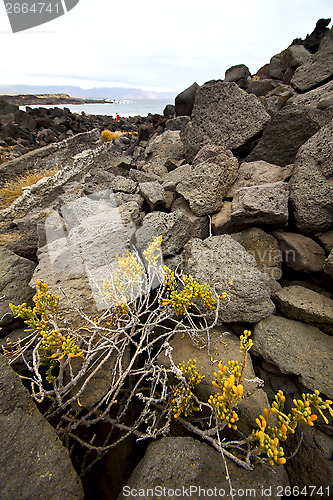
(50, 99)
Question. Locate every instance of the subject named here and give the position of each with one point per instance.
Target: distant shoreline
(50, 99)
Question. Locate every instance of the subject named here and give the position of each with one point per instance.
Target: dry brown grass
(12, 190)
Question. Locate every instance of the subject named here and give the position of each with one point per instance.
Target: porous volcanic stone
(297, 349)
(221, 261)
(294, 56)
(239, 74)
(311, 187)
(175, 229)
(303, 304)
(213, 171)
(164, 152)
(264, 248)
(154, 194)
(224, 346)
(266, 204)
(258, 172)
(224, 115)
(288, 129)
(318, 69)
(300, 252)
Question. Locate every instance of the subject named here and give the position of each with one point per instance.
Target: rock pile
(23, 131)
(241, 190)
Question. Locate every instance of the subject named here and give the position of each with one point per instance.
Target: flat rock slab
(221, 261)
(33, 462)
(181, 463)
(303, 304)
(53, 156)
(254, 173)
(266, 204)
(225, 115)
(300, 252)
(297, 349)
(317, 98)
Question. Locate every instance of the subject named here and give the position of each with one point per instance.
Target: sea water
(130, 107)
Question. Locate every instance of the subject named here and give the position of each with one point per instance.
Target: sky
(153, 45)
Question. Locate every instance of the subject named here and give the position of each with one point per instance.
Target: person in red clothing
(117, 117)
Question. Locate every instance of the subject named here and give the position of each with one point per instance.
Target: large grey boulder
(258, 172)
(82, 241)
(15, 275)
(294, 56)
(286, 132)
(224, 115)
(266, 204)
(154, 194)
(221, 261)
(275, 70)
(264, 248)
(296, 349)
(175, 229)
(311, 187)
(183, 465)
(213, 171)
(33, 462)
(185, 100)
(300, 252)
(200, 225)
(239, 74)
(164, 152)
(318, 69)
(303, 304)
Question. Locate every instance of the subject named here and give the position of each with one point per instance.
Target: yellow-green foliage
(55, 345)
(12, 190)
(274, 424)
(131, 276)
(182, 399)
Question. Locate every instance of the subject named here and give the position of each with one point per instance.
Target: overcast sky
(161, 45)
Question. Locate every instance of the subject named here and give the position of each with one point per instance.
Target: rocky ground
(24, 131)
(238, 180)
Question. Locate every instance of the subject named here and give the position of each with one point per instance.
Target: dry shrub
(13, 189)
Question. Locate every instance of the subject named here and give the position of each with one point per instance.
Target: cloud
(158, 45)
